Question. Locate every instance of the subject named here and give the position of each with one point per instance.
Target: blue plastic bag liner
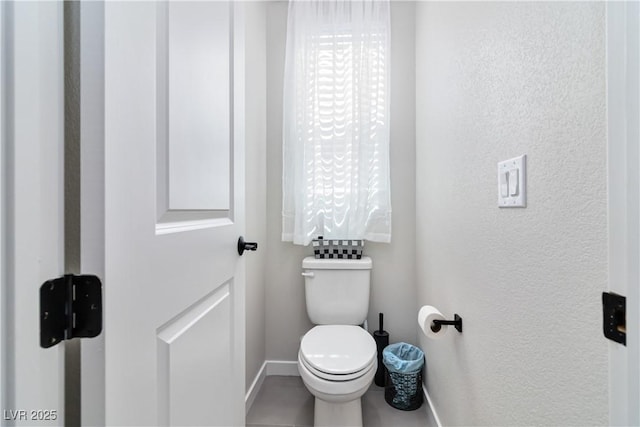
(402, 358)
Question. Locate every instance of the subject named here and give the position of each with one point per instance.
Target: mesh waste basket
(403, 388)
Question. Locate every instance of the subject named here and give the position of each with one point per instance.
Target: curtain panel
(336, 180)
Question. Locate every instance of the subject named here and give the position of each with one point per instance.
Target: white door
(623, 115)
(31, 128)
(163, 189)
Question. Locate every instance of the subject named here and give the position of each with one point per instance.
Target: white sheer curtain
(336, 121)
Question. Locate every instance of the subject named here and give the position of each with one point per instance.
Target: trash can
(403, 388)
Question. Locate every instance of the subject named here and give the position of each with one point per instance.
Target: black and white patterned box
(337, 248)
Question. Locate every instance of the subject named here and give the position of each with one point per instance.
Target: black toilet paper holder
(456, 323)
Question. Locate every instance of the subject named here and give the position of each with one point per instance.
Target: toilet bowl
(337, 359)
(337, 364)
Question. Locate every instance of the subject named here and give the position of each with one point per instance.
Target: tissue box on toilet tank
(337, 248)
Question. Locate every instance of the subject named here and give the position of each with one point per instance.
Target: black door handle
(246, 246)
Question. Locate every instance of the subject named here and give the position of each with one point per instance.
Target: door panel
(194, 354)
(199, 65)
(173, 211)
(195, 104)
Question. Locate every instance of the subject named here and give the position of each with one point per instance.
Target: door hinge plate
(614, 317)
(70, 307)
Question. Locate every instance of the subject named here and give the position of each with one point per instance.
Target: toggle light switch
(504, 184)
(512, 183)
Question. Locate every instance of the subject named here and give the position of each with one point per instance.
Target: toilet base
(338, 414)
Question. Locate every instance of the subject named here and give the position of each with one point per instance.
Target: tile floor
(284, 401)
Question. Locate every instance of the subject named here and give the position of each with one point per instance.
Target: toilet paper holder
(456, 323)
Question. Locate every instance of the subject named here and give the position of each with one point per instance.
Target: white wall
(496, 80)
(255, 181)
(393, 279)
(393, 283)
(286, 319)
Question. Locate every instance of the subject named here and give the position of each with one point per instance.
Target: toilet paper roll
(426, 316)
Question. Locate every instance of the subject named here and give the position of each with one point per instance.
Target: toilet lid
(338, 349)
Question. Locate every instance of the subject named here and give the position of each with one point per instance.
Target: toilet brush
(382, 340)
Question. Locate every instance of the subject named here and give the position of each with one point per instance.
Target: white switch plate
(512, 173)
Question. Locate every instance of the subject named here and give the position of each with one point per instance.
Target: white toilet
(337, 359)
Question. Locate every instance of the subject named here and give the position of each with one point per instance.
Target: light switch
(512, 183)
(504, 184)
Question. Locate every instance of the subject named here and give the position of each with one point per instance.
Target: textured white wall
(393, 278)
(255, 181)
(286, 318)
(496, 80)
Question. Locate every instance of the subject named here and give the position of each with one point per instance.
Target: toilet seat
(336, 391)
(338, 352)
(336, 377)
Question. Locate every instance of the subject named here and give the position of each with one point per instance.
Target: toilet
(337, 358)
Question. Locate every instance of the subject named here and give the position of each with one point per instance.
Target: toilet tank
(337, 290)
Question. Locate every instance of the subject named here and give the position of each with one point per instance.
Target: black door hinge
(614, 317)
(70, 307)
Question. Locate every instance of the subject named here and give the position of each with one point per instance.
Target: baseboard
(282, 367)
(255, 387)
(432, 415)
(268, 368)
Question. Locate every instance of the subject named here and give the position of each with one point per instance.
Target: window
(336, 114)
